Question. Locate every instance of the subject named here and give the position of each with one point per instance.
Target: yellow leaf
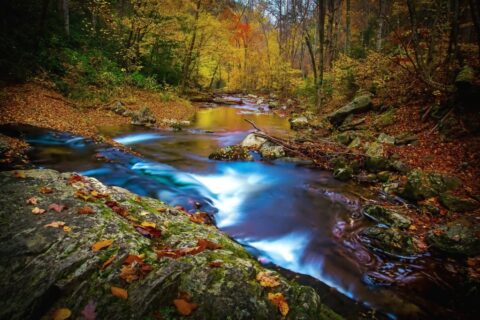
(67, 229)
(279, 300)
(267, 280)
(37, 210)
(108, 262)
(148, 224)
(61, 314)
(120, 292)
(101, 244)
(55, 224)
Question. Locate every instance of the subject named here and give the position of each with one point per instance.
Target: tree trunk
(188, 58)
(475, 10)
(321, 40)
(66, 17)
(347, 28)
(312, 57)
(453, 42)
(380, 25)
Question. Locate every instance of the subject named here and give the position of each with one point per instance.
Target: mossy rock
(457, 237)
(45, 268)
(231, 153)
(386, 216)
(458, 204)
(392, 241)
(361, 103)
(343, 173)
(422, 185)
(385, 119)
(385, 138)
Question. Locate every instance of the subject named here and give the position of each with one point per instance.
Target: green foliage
(141, 81)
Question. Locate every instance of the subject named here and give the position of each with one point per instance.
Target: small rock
(357, 142)
(253, 141)
(343, 174)
(383, 176)
(422, 185)
(385, 119)
(144, 117)
(385, 138)
(389, 240)
(405, 138)
(457, 237)
(231, 153)
(272, 151)
(298, 122)
(387, 216)
(458, 204)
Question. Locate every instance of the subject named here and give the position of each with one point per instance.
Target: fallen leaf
(119, 292)
(207, 244)
(85, 210)
(76, 178)
(56, 207)
(46, 190)
(19, 174)
(61, 314)
(279, 300)
(184, 307)
(67, 229)
(32, 201)
(88, 312)
(133, 258)
(37, 210)
(215, 264)
(129, 274)
(108, 262)
(149, 232)
(148, 224)
(267, 280)
(101, 244)
(55, 224)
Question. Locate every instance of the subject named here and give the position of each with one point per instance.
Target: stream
(288, 215)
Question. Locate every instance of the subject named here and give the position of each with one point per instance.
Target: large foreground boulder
(253, 141)
(69, 243)
(422, 185)
(359, 104)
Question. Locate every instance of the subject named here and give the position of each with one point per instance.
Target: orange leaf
(108, 262)
(279, 300)
(101, 244)
(267, 280)
(55, 224)
(19, 174)
(46, 190)
(148, 224)
(37, 210)
(184, 307)
(67, 229)
(119, 292)
(85, 210)
(61, 314)
(128, 274)
(56, 207)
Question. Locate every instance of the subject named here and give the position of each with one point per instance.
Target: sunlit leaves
(101, 245)
(279, 300)
(61, 314)
(119, 292)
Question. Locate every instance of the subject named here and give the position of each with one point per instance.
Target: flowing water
(288, 215)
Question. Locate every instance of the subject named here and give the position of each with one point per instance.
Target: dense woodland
(322, 50)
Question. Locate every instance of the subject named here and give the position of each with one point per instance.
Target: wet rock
(46, 268)
(273, 104)
(227, 101)
(253, 141)
(359, 104)
(385, 138)
(343, 173)
(375, 161)
(458, 204)
(231, 153)
(299, 122)
(422, 185)
(389, 240)
(383, 176)
(457, 237)
(345, 138)
(385, 119)
(387, 216)
(352, 124)
(176, 124)
(144, 117)
(272, 151)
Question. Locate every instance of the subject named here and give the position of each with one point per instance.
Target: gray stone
(272, 151)
(359, 104)
(386, 216)
(253, 141)
(389, 240)
(299, 122)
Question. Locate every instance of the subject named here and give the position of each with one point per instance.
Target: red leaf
(56, 207)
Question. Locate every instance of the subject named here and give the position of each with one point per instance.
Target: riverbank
(40, 105)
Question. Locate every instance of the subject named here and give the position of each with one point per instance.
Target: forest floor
(40, 105)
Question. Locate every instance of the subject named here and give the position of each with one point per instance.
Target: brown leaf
(85, 210)
(279, 300)
(119, 292)
(37, 211)
(56, 207)
(76, 178)
(101, 244)
(215, 264)
(184, 307)
(32, 201)
(61, 314)
(108, 262)
(128, 274)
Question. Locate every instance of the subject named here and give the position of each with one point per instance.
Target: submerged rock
(231, 153)
(422, 185)
(387, 216)
(460, 236)
(253, 141)
(144, 117)
(47, 268)
(272, 151)
(389, 240)
(359, 104)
